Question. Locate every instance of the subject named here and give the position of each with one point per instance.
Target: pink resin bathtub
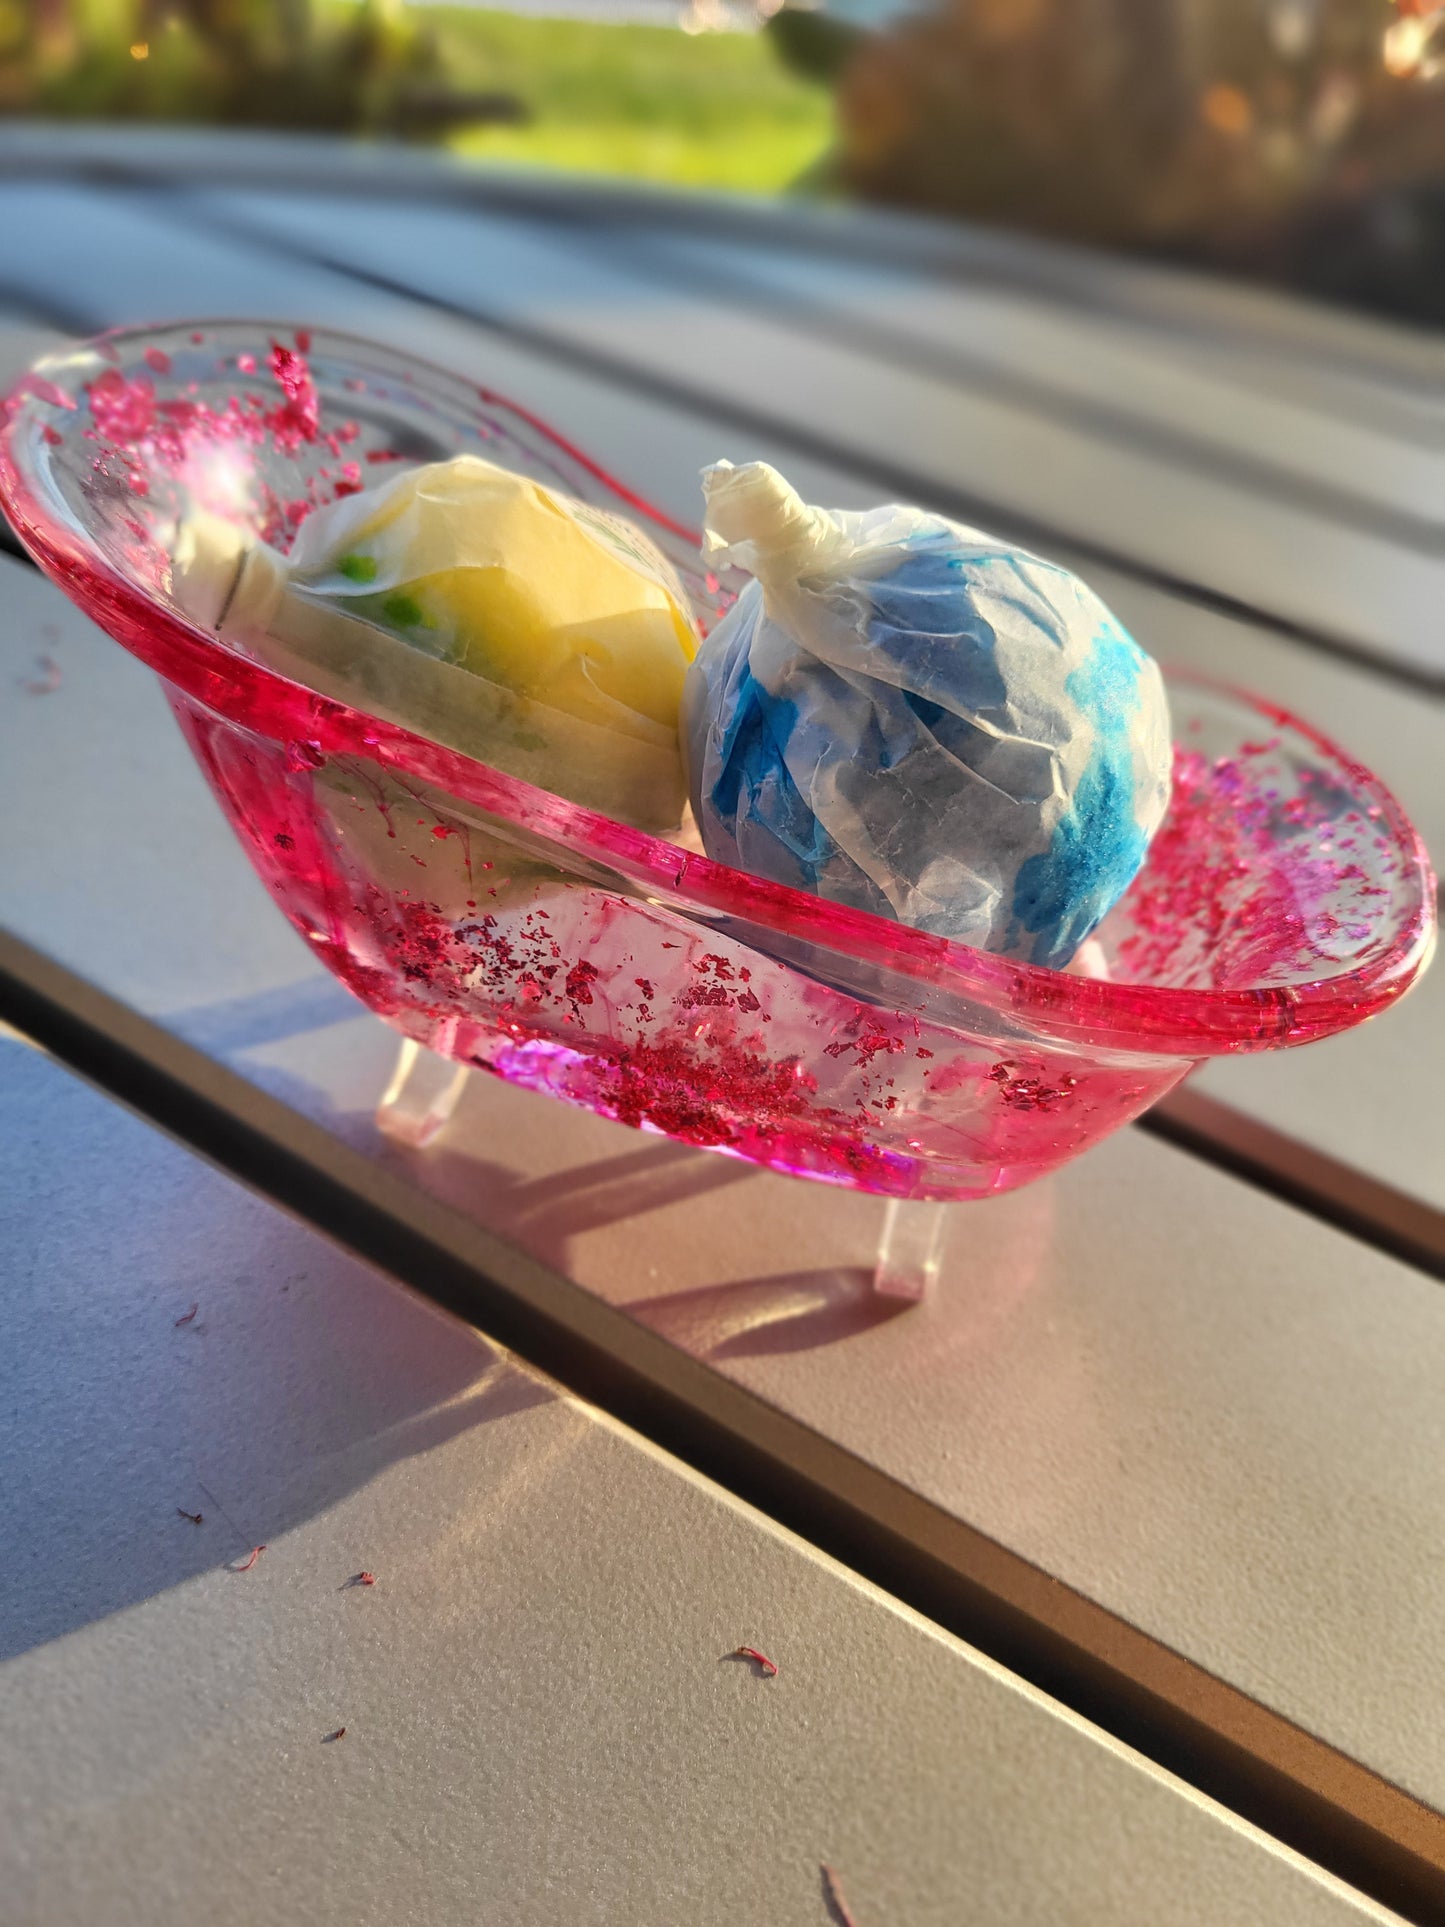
(1286, 897)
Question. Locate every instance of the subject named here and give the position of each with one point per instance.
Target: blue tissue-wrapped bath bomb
(909, 717)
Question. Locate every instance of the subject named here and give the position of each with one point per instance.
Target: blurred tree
(1218, 130)
(814, 44)
(366, 67)
(53, 29)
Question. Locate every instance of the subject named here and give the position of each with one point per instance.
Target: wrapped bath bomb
(476, 607)
(909, 717)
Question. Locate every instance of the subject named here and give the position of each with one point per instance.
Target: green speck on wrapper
(403, 610)
(358, 568)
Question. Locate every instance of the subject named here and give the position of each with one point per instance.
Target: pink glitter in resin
(41, 388)
(124, 411)
(299, 420)
(1284, 898)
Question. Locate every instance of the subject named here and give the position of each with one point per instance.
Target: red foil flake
(1025, 1093)
(300, 419)
(44, 390)
(580, 979)
(124, 411)
(833, 1894)
(47, 682)
(764, 1665)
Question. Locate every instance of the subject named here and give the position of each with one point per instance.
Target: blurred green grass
(707, 110)
(717, 110)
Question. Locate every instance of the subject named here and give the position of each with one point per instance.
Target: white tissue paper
(504, 619)
(907, 716)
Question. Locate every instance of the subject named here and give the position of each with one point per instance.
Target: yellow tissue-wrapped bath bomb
(480, 608)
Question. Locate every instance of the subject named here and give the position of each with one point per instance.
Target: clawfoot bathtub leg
(421, 1096)
(910, 1248)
